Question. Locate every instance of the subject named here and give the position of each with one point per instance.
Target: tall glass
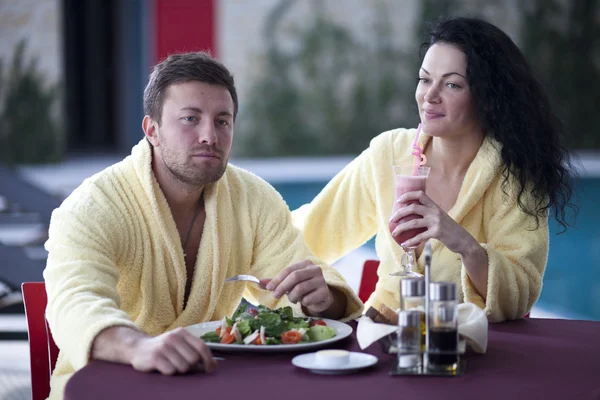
(407, 178)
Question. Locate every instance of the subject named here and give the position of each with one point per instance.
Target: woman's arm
(280, 253)
(343, 216)
(503, 275)
(517, 253)
(475, 261)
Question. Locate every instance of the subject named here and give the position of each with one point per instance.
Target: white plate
(342, 331)
(357, 361)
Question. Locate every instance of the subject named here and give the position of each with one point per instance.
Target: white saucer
(357, 361)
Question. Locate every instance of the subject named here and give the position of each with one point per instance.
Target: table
(526, 359)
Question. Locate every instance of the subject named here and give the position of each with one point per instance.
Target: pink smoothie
(405, 184)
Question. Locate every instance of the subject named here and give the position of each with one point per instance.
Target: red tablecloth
(526, 359)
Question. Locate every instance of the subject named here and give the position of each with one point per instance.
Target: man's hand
(304, 283)
(176, 351)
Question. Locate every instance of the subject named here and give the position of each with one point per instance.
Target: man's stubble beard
(190, 174)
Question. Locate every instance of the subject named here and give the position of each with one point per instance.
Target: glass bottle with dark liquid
(443, 327)
(443, 340)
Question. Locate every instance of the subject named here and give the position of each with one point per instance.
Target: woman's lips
(432, 114)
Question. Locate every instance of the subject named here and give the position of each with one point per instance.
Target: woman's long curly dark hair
(512, 107)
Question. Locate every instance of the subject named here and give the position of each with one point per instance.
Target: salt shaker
(412, 294)
(409, 340)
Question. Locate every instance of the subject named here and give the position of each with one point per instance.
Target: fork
(249, 278)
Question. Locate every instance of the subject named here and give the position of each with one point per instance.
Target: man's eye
(189, 119)
(223, 122)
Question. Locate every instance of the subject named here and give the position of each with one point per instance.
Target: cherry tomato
(228, 330)
(228, 338)
(291, 337)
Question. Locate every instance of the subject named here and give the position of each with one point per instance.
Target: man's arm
(116, 344)
(337, 308)
(81, 276)
(172, 352)
(83, 302)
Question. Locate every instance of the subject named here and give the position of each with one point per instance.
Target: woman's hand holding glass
(436, 222)
(407, 178)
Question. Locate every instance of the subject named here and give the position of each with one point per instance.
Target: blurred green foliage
(330, 93)
(29, 131)
(562, 41)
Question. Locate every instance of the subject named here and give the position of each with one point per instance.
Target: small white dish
(332, 358)
(355, 362)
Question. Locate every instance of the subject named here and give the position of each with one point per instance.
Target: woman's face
(443, 94)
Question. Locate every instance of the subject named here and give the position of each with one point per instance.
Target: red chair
(368, 280)
(42, 349)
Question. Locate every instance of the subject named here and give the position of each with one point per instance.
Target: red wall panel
(184, 25)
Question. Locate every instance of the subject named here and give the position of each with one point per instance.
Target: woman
(496, 169)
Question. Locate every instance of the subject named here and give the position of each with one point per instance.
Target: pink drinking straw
(417, 152)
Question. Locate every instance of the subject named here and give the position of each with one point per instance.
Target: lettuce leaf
(244, 327)
(285, 313)
(272, 323)
(238, 311)
(272, 340)
(296, 325)
(211, 337)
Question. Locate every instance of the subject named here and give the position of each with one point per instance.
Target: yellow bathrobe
(357, 204)
(115, 257)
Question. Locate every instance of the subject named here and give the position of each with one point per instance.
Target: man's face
(194, 139)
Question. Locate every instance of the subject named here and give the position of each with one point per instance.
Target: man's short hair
(185, 67)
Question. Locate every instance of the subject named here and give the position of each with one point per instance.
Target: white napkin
(472, 325)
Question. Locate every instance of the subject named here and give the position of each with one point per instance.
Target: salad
(263, 326)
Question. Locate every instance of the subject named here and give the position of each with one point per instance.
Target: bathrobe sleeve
(517, 252)
(343, 216)
(80, 275)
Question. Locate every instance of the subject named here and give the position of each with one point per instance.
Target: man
(143, 248)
